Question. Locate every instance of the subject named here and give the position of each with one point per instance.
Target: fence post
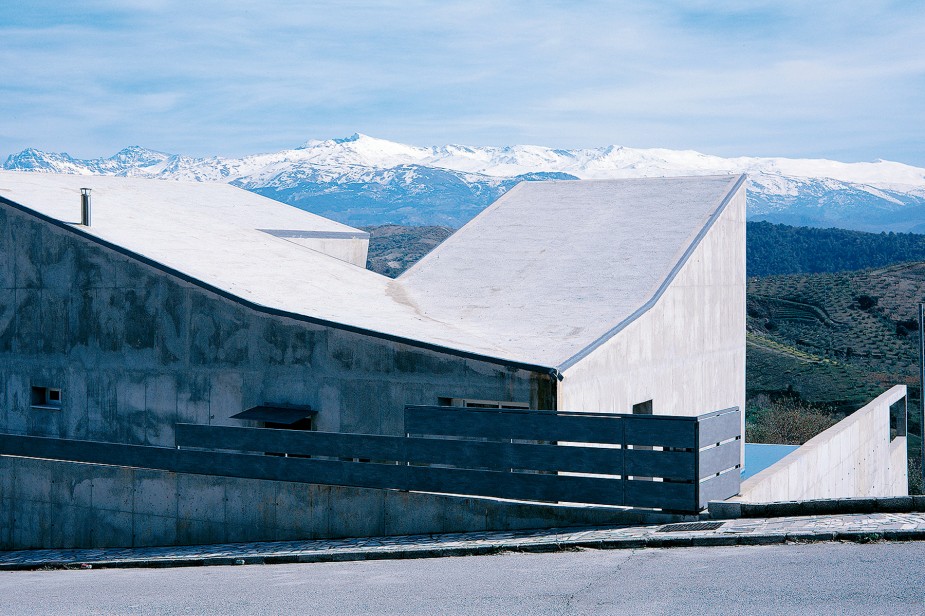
(922, 385)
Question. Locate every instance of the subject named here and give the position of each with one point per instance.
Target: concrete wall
(352, 250)
(45, 504)
(899, 466)
(135, 350)
(687, 353)
(852, 458)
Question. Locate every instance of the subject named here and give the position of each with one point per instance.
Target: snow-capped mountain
(363, 180)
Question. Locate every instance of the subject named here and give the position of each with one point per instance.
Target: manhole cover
(689, 526)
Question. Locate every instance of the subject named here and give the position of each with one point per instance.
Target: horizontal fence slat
(520, 486)
(512, 424)
(717, 459)
(470, 454)
(661, 495)
(115, 454)
(297, 442)
(720, 427)
(668, 464)
(679, 432)
(719, 487)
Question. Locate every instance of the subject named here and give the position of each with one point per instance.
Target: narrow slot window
(481, 404)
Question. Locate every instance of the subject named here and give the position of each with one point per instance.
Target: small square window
(46, 397)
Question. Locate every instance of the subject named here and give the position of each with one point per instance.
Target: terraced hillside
(835, 338)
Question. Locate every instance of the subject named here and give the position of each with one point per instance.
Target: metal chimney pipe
(85, 207)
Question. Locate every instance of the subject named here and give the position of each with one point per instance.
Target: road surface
(828, 578)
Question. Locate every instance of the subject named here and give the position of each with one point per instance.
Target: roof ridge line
(439, 247)
(574, 359)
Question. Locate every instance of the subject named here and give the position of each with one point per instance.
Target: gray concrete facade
(134, 350)
(135, 347)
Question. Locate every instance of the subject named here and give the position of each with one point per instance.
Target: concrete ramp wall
(853, 458)
(50, 504)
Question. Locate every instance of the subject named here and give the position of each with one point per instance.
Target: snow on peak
(374, 170)
(612, 161)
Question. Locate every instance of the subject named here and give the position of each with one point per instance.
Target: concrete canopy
(539, 277)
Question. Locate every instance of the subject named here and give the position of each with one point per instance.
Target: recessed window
(46, 397)
(481, 404)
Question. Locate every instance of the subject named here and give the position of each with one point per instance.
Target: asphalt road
(828, 578)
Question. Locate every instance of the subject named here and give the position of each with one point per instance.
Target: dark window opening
(302, 424)
(280, 417)
(898, 418)
(46, 397)
(482, 404)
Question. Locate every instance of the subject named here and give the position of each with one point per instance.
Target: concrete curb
(481, 547)
(729, 510)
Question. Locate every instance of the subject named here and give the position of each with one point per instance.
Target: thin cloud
(200, 78)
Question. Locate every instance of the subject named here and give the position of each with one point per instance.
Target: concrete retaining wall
(899, 467)
(852, 458)
(46, 504)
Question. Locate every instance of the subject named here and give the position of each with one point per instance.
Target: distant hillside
(395, 248)
(782, 249)
(834, 338)
(771, 249)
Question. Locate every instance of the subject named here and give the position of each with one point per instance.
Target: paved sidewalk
(746, 531)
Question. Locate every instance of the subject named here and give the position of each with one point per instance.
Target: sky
(842, 80)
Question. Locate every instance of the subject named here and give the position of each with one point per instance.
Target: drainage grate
(689, 526)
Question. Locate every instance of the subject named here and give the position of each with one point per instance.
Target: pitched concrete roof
(551, 267)
(540, 275)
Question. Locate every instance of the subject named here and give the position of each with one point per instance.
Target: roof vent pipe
(85, 207)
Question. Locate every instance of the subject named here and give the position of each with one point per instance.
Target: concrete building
(194, 303)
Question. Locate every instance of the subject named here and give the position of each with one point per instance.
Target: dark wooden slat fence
(696, 458)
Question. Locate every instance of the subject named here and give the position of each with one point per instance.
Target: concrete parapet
(899, 466)
(853, 458)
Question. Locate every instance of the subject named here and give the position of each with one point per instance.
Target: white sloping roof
(537, 277)
(551, 267)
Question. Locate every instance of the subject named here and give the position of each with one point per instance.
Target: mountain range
(361, 180)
